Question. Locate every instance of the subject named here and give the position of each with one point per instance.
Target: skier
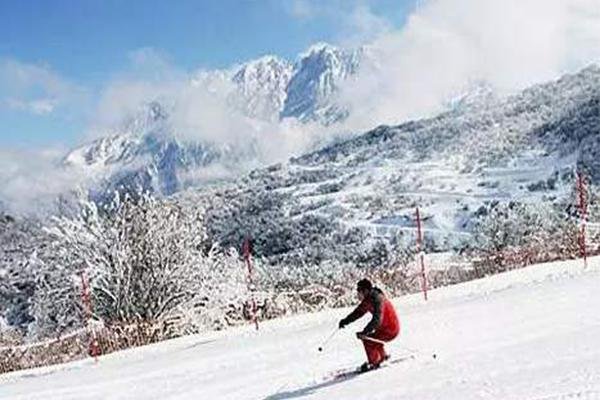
(384, 325)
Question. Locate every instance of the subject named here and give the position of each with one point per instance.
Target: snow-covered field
(527, 334)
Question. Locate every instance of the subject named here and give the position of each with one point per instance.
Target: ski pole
(328, 339)
(370, 339)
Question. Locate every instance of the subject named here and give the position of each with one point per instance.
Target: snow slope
(527, 334)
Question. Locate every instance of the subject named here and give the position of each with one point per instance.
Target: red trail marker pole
(581, 189)
(247, 254)
(421, 254)
(93, 346)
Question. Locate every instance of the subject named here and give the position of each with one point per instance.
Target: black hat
(364, 284)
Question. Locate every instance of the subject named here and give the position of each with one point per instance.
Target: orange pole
(93, 347)
(421, 255)
(246, 251)
(583, 216)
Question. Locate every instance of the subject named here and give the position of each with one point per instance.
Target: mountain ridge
(147, 149)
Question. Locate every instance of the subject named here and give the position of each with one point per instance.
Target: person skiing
(383, 327)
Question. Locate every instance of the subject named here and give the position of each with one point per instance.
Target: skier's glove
(342, 324)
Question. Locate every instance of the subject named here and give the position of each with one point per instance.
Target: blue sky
(57, 55)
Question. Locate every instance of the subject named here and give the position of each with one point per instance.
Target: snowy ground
(527, 334)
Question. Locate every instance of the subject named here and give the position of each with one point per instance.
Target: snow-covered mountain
(484, 149)
(524, 148)
(145, 155)
(316, 77)
(261, 87)
(147, 151)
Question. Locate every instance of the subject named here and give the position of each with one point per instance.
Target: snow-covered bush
(510, 235)
(289, 288)
(147, 260)
(9, 335)
(20, 240)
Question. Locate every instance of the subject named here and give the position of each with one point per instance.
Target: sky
(72, 70)
(57, 56)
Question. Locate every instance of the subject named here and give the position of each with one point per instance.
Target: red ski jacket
(384, 318)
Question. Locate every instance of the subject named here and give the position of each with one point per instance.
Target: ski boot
(368, 367)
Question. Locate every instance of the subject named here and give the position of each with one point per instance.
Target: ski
(347, 373)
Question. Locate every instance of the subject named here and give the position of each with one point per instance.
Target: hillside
(457, 167)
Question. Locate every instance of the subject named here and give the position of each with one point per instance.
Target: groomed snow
(528, 334)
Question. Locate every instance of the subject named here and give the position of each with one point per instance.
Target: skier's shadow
(305, 391)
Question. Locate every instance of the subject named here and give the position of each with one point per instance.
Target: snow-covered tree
(20, 240)
(147, 260)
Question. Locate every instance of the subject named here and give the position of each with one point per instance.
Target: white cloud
(39, 106)
(32, 181)
(301, 9)
(354, 20)
(361, 25)
(200, 109)
(37, 89)
(122, 98)
(149, 76)
(151, 64)
(447, 44)
(583, 33)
